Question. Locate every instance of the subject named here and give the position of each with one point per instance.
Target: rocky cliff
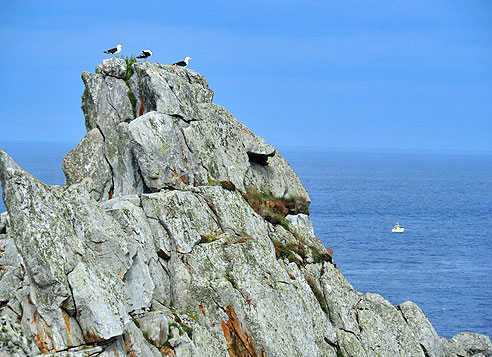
(180, 232)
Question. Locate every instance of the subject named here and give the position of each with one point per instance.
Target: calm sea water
(442, 261)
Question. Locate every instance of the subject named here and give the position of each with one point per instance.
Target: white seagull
(145, 54)
(114, 51)
(182, 63)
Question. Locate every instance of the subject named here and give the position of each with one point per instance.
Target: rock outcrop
(155, 245)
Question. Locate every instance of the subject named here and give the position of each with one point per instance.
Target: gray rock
(76, 352)
(86, 163)
(169, 90)
(107, 107)
(162, 154)
(470, 344)
(421, 327)
(4, 222)
(301, 222)
(154, 327)
(184, 215)
(366, 325)
(13, 341)
(9, 257)
(59, 234)
(136, 343)
(139, 284)
(114, 67)
(101, 312)
(105, 102)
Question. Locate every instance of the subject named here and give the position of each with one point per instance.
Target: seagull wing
(111, 51)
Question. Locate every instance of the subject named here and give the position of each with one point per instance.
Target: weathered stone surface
(151, 248)
(114, 67)
(135, 343)
(13, 342)
(170, 90)
(185, 217)
(105, 102)
(58, 233)
(366, 325)
(154, 327)
(421, 327)
(470, 344)
(107, 107)
(162, 154)
(222, 143)
(99, 299)
(86, 163)
(302, 223)
(4, 222)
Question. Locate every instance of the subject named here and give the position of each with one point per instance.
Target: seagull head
(119, 47)
(187, 59)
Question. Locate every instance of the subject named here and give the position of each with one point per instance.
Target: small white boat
(397, 228)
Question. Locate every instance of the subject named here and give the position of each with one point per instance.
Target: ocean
(442, 261)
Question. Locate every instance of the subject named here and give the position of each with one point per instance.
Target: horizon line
(489, 151)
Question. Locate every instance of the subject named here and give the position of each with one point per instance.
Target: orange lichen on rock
(41, 345)
(202, 309)
(141, 109)
(127, 343)
(43, 340)
(66, 319)
(239, 342)
(180, 179)
(167, 351)
(41, 331)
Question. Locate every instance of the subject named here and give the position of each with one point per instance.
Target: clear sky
(372, 74)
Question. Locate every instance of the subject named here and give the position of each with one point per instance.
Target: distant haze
(400, 74)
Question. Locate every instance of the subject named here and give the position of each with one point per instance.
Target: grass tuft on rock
(187, 329)
(133, 101)
(292, 251)
(210, 237)
(129, 70)
(318, 294)
(227, 185)
(275, 209)
(129, 73)
(320, 257)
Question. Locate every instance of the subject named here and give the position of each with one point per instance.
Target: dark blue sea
(442, 261)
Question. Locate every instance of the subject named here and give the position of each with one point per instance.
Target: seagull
(145, 54)
(114, 51)
(182, 63)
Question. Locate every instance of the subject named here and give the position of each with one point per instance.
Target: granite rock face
(153, 247)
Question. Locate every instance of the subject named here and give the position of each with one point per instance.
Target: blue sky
(372, 74)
